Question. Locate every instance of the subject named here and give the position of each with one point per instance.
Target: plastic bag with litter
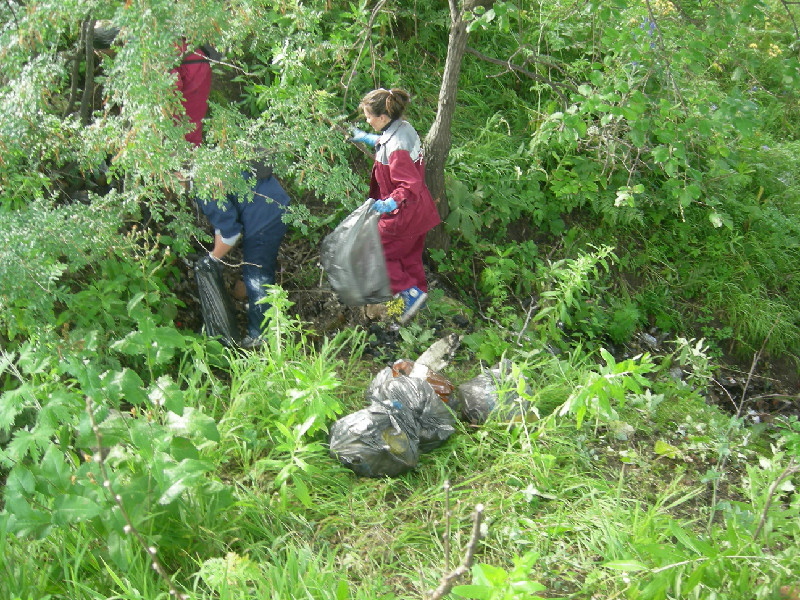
(435, 420)
(495, 393)
(352, 256)
(440, 384)
(381, 440)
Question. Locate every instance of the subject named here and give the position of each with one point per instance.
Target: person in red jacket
(401, 196)
(194, 85)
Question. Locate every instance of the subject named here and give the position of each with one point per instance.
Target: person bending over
(258, 225)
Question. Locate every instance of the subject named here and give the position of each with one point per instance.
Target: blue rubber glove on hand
(384, 206)
(359, 135)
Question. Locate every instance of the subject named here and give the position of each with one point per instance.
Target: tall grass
(586, 512)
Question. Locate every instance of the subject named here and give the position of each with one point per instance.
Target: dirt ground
(314, 302)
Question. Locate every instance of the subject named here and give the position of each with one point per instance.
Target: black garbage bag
(216, 305)
(440, 384)
(493, 393)
(435, 420)
(378, 441)
(352, 256)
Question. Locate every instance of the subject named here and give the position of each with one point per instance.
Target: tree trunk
(88, 87)
(438, 141)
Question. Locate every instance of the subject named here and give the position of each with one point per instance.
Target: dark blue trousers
(260, 255)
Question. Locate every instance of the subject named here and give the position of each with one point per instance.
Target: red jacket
(194, 84)
(399, 173)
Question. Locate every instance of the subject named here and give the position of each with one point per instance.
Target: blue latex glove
(384, 206)
(359, 135)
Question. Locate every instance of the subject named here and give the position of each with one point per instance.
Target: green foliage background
(663, 131)
(617, 167)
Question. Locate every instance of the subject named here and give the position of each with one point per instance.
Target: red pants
(404, 262)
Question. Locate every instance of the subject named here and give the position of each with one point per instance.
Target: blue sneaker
(413, 300)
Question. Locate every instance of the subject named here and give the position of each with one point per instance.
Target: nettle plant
(538, 303)
(282, 398)
(104, 449)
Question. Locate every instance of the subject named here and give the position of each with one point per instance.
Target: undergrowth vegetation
(212, 465)
(623, 214)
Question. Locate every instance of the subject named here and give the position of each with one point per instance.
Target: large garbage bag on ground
(352, 256)
(381, 440)
(494, 394)
(219, 315)
(435, 420)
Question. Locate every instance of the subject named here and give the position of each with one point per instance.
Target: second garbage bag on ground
(495, 393)
(378, 441)
(352, 256)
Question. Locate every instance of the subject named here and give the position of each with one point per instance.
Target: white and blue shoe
(413, 300)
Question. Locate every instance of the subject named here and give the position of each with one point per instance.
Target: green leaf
(29, 443)
(700, 547)
(660, 154)
(124, 385)
(134, 302)
(119, 550)
(694, 578)
(167, 340)
(663, 448)
(491, 575)
(143, 438)
(12, 403)
(194, 424)
(24, 520)
(342, 590)
(476, 592)
(20, 481)
(529, 588)
(165, 392)
(69, 508)
(185, 475)
(301, 491)
(628, 565)
(712, 577)
(182, 448)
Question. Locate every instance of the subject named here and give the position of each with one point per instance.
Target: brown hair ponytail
(386, 102)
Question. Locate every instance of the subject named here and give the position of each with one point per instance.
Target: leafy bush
(41, 244)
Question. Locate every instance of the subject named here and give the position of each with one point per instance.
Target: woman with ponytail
(401, 196)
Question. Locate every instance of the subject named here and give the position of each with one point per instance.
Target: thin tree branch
(724, 461)
(554, 85)
(790, 470)
(367, 35)
(87, 35)
(13, 12)
(449, 580)
(76, 69)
